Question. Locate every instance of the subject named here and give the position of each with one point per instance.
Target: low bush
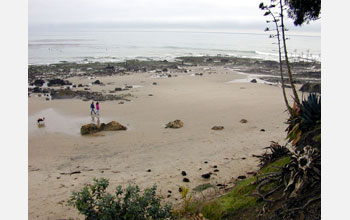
(95, 203)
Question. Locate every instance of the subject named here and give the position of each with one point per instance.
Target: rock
(253, 81)
(58, 82)
(97, 82)
(154, 83)
(241, 177)
(118, 89)
(80, 85)
(169, 75)
(215, 166)
(93, 128)
(243, 158)
(183, 173)
(165, 70)
(311, 87)
(217, 128)
(186, 180)
(89, 129)
(205, 161)
(39, 82)
(206, 175)
(169, 191)
(243, 121)
(216, 170)
(37, 90)
(109, 67)
(149, 170)
(175, 124)
(114, 126)
(150, 94)
(121, 103)
(262, 130)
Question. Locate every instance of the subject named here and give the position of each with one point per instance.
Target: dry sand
(124, 157)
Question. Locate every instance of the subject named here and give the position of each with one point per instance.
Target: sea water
(45, 47)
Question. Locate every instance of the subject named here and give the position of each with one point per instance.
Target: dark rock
(169, 75)
(165, 70)
(180, 189)
(58, 82)
(241, 177)
(243, 158)
(74, 86)
(206, 175)
(205, 161)
(121, 103)
(39, 82)
(149, 170)
(311, 88)
(109, 67)
(169, 191)
(262, 130)
(175, 124)
(253, 81)
(216, 170)
(150, 94)
(80, 85)
(154, 83)
(243, 121)
(97, 82)
(186, 180)
(217, 128)
(183, 173)
(215, 166)
(168, 196)
(37, 90)
(118, 89)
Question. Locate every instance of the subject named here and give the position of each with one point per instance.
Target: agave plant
(276, 151)
(305, 122)
(303, 171)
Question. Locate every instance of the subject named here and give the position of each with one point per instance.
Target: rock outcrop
(311, 87)
(175, 124)
(93, 128)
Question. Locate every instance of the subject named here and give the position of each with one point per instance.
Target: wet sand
(124, 157)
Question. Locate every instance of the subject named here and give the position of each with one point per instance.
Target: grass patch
(239, 202)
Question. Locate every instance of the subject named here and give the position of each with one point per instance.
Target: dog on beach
(41, 120)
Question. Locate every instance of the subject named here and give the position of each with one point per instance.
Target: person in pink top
(97, 108)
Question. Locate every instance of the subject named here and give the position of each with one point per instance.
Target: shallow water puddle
(57, 122)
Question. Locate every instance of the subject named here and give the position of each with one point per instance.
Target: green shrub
(95, 203)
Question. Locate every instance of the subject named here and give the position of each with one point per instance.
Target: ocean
(84, 46)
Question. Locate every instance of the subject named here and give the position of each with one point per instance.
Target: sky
(219, 15)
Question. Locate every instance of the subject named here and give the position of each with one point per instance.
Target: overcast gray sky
(225, 15)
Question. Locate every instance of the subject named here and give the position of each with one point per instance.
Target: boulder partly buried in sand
(89, 129)
(114, 126)
(243, 121)
(93, 128)
(175, 124)
(217, 128)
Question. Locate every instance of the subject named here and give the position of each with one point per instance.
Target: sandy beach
(126, 157)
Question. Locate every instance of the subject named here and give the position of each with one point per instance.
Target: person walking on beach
(97, 108)
(92, 106)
